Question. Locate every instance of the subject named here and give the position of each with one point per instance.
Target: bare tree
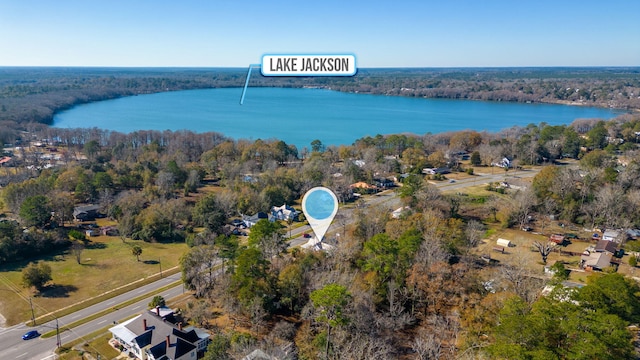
(518, 278)
(426, 345)
(548, 208)
(522, 205)
(76, 249)
(474, 231)
(198, 311)
(165, 182)
(544, 249)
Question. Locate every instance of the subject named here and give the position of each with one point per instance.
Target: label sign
(308, 65)
(320, 206)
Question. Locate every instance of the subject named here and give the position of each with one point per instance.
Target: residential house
(397, 213)
(91, 232)
(109, 231)
(434, 171)
(607, 246)
(150, 336)
(384, 183)
(633, 233)
(364, 187)
(504, 163)
(595, 260)
(6, 161)
(284, 212)
(86, 212)
(612, 235)
(249, 221)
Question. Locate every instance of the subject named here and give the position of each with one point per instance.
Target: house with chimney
(152, 336)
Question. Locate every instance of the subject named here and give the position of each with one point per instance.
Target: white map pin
(320, 206)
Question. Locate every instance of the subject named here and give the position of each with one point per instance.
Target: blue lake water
(298, 116)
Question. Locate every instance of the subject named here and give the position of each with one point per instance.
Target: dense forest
(30, 95)
(412, 287)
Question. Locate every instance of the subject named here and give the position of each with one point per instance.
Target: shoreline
(385, 116)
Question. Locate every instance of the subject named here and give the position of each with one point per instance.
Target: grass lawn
(106, 264)
(98, 345)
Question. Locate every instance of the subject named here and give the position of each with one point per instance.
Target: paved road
(13, 347)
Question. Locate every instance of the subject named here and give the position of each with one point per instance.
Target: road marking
(101, 322)
(19, 356)
(137, 307)
(110, 302)
(76, 316)
(140, 291)
(66, 336)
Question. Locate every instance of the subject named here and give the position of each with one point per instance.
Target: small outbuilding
(503, 242)
(557, 239)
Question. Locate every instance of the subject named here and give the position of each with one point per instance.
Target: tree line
(34, 95)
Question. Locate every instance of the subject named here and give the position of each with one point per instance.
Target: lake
(299, 116)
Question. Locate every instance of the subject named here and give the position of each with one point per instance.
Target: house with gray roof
(151, 336)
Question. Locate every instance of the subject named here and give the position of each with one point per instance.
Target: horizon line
(363, 67)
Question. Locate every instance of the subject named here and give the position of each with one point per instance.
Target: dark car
(30, 335)
(306, 236)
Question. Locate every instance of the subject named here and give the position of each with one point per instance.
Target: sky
(381, 33)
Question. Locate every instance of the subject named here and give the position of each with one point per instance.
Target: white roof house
(284, 212)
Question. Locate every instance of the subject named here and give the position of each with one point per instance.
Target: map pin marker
(320, 206)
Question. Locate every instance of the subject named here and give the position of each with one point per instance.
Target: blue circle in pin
(320, 204)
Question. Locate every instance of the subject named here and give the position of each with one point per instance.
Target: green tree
(410, 188)
(251, 278)
(380, 257)
(36, 275)
(157, 301)
(330, 302)
(597, 136)
(136, 250)
(91, 149)
(218, 348)
(227, 249)
(208, 212)
(612, 293)
(317, 146)
(102, 180)
(544, 181)
(555, 328)
(268, 236)
(77, 235)
(572, 142)
(179, 175)
(475, 159)
(35, 211)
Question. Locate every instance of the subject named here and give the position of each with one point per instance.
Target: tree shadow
(57, 291)
(151, 262)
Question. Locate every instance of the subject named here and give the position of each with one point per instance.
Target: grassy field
(106, 264)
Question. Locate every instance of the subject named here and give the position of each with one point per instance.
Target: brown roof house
(595, 260)
(606, 246)
(149, 336)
